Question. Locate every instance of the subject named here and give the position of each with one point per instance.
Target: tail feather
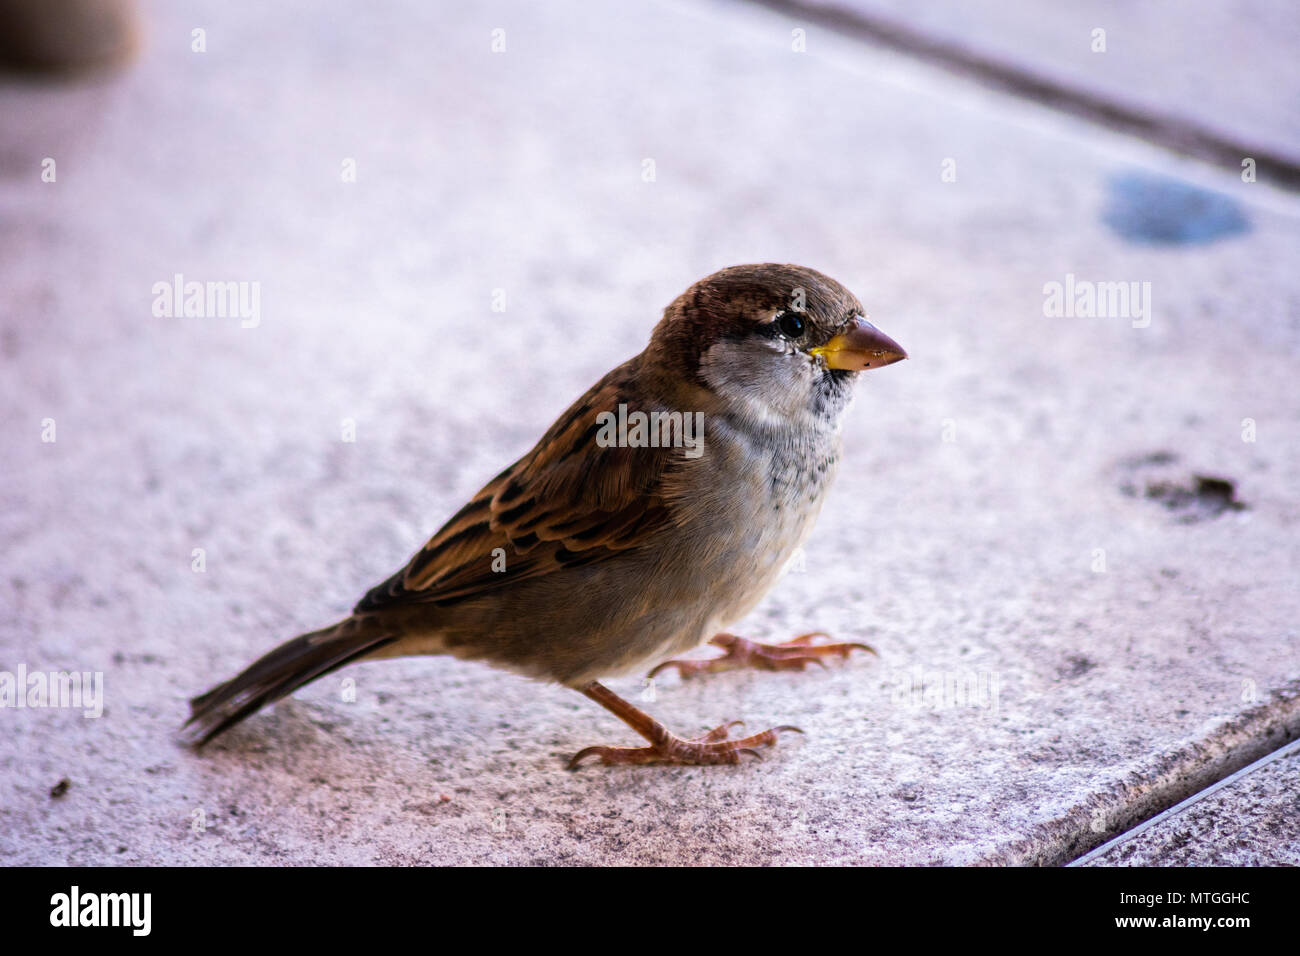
(279, 673)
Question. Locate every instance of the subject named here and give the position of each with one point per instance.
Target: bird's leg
(793, 655)
(716, 746)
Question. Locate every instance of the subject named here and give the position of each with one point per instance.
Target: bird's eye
(790, 324)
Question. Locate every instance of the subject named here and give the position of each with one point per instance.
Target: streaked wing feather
(568, 502)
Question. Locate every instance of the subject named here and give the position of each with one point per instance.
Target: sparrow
(658, 509)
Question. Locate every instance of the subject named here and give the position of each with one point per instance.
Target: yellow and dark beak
(860, 346)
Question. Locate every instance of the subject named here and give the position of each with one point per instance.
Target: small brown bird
(660, 507)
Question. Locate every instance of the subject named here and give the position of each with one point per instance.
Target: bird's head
(780, 339)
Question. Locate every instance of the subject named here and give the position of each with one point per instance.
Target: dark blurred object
(67, 36)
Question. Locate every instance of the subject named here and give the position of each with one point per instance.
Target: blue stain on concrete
(1157, 210)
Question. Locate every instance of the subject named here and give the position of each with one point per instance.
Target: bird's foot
(793, 655)
(714, 747)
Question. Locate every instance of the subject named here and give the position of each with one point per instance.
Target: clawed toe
(792, 655)
(714, 747)
(721, 732)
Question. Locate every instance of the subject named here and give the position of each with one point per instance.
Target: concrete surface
(1250, 819)
(1076, 631)
(1228, 67)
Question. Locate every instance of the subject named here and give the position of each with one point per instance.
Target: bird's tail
(281, 672)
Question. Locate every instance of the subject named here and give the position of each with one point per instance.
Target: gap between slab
(1284, 751)
(1180, 135)
(1161, 782)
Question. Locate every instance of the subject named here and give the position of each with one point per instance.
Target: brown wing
(568, 502)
